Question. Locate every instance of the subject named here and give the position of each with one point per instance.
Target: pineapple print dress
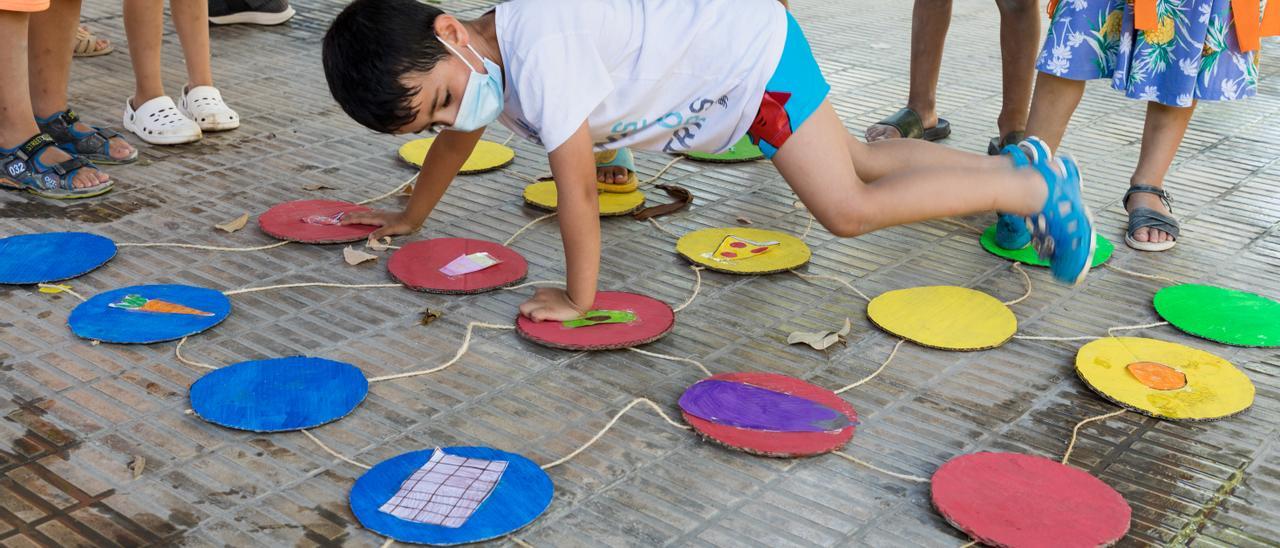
(1192, 56)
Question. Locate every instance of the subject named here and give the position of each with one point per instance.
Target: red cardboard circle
(287, 221)
(1009, 499)
(654, 319)
(417, 266)
(778, 444)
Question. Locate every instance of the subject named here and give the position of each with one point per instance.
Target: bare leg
(17, 120)
(191, 19)
(911, 180)
(1019, 36)
(1161, 138)
(930, 20)
(144, 29)
(50, 39)
(1055, 101)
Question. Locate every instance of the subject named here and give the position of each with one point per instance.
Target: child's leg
(905, 180)
(930, 20)
(1054, 102)
(50, 40)
(191, 19)
(1019, 38)
(1161, 138)
(144, 30)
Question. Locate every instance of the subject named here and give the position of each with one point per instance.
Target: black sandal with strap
(23, 170)
(94, 146)
(910, 126)
(1145, 217)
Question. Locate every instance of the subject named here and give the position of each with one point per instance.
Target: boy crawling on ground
(581, 76)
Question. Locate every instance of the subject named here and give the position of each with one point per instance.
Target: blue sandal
(1063, 232)
(23, 170)
(1011, 230)
(94, 146)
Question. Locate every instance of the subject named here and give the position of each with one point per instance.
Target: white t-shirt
(662, 75)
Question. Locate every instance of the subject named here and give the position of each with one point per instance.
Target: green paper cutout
(742, 151)
(1027, 255)
(598, 317)
(1223, 315)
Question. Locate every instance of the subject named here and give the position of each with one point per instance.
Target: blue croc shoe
(1063, 232)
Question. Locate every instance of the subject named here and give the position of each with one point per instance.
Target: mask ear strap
(459, 55)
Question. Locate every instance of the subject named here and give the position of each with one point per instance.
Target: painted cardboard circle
(1215, 389)
(742, 151)
(96, 320)
(1221, 315)
(654, 319)
(698, 246)
(417, 265)
(285, 222)
(279, 395)
(944, 317)
(612, 204)
(722, 426)
(487, 155)
(522, 494)
(1027, 255)
(52, 256)
(1009, 499)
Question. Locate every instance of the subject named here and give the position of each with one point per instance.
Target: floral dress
(1193, 55)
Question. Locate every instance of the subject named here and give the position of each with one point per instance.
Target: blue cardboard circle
(96, 319)
(279, 395)
(523, 493)
(52, 256)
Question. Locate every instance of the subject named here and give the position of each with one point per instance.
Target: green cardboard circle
(742, 151)
(1222, 315)
(1027, 255)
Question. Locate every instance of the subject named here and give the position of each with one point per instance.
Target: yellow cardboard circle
(943, 316)
(543, 195)
(487, 156)
(700, 247)
(1215, 389)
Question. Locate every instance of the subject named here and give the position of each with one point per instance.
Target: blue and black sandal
(1063, 232)
(94, 146)
(1012, 231)
(23, 170)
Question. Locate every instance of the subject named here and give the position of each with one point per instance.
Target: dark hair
(369, 48)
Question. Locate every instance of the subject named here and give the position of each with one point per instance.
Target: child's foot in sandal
(95, 144)
(616, 171)
(159, 122)
(1011, 230)
(43, 169)
(204, 105)
(1152, 226)
(1063, 231)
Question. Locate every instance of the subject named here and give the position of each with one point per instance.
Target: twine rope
(811, 277)
(466, 345)
(204, 247)
(808, 227)
(672, 358)
(391, 192)
(527, 226)
(177, 351)
(697, 286)
(606, 428)
(535, 282)
(332, 452)
(663, 171)
(1139, 274)
(877, 371)
(306, 284)
(1076, 431)
(1025, 278)
(663, 229)
(856, 460)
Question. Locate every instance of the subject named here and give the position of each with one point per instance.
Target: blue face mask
(481, 102)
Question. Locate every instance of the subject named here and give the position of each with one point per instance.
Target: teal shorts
(795, 90)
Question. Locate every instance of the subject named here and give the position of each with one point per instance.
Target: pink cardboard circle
(654, 319)
(288, 221)
(417, 266)
(1009, 499)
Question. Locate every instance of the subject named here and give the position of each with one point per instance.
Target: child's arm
(444, 159)
(574, 168)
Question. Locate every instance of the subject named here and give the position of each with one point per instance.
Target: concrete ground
(76, 414)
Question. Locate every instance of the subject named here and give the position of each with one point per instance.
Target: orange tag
(1145, 16)
(1271, 20)
(1157, 376)
(1247, 15)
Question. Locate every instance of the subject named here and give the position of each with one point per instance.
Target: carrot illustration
(138, 303)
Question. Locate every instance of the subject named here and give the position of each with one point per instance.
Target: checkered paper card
(446, 490)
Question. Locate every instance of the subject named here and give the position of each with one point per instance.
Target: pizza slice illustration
(733, 248)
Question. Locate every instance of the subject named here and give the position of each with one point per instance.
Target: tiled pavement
(76, 414)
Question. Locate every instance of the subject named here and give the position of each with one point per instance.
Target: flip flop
(618, 158)
(997, 144)
(909, 126)
(1145, 217)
